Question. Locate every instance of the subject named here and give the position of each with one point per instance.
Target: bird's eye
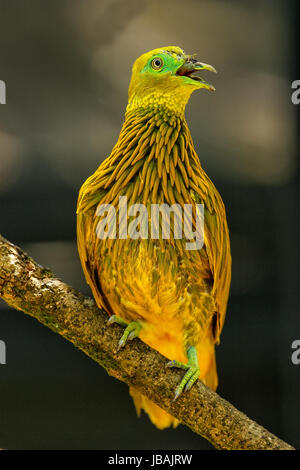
(157, 63)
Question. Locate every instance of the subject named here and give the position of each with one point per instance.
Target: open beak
(192, 65)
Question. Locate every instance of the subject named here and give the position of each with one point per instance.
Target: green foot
(132, 329)
(192, 374)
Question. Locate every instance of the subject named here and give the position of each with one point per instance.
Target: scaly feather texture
(179, 296)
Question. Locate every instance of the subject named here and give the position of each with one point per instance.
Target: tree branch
(33, 289)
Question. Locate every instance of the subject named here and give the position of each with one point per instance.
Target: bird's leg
(192, 371)
(132, 329)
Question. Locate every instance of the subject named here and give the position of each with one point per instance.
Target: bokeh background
(67, 65)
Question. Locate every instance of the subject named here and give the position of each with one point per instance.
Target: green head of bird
(164, 78)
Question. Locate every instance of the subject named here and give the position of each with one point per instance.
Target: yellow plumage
(178, 296)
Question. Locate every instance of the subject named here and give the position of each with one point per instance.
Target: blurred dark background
(67, 65)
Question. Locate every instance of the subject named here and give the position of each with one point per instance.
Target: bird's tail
(159, 417)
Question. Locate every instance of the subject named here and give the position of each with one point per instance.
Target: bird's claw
(190, 377)
(132, 330)
(115, 319)
(177, 364)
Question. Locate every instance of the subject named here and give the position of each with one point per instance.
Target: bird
(173, 298)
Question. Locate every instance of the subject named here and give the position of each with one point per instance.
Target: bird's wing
(216, 247)
(89, 197)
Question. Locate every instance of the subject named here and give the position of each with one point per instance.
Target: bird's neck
(153, 160)
(166, 103)
(164, 106)
(156, 119)
(154, 145)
